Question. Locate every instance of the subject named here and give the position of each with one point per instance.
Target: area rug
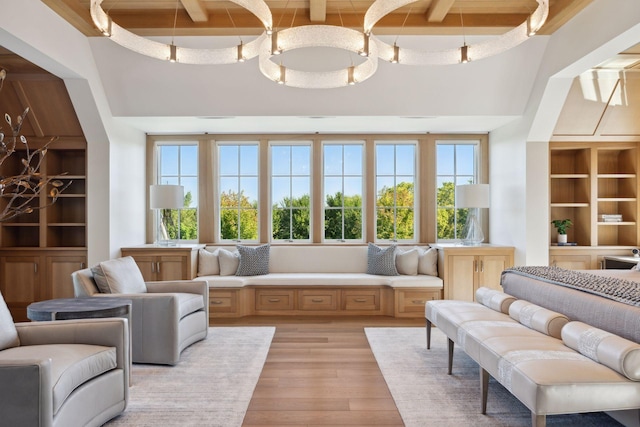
(426, 396)
(211, 386)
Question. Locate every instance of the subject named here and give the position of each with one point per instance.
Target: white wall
(519, 151)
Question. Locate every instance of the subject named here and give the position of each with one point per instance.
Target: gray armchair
(166, 317)
(62, 373)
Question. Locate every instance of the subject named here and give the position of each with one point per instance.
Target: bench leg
(538, 420)
(428, 334)
(450, 349)
(484, 390)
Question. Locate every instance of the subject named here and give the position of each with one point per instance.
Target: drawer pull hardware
(317, 300)
(360, 300)
(274, 300)
(417, 301)
(216, 301)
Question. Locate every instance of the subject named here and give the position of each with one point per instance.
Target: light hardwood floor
(320, 371)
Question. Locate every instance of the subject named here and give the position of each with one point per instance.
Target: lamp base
(472, 232)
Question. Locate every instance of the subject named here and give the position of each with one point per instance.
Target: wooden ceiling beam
(75, 13)
(196, 10)
(560, 12)
(439, 10)
(317, 10)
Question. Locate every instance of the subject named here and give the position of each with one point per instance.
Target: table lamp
(473, 197)
(165, 197)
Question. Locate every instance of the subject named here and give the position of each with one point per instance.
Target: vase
(562, 238)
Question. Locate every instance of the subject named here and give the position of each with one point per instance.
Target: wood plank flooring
(320, 371)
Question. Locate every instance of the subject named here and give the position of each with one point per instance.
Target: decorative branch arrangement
(18, 192)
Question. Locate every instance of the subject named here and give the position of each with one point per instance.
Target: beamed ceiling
(219, 17)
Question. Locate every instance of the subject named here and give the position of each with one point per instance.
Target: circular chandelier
(270, 44)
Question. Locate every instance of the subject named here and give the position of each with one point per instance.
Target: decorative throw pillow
(122, 276)
(428, 262)
(208, 264)
(407, 261)
(8, 333)
(228, 261)
(253, 261)
(100, 279)
(381, 261)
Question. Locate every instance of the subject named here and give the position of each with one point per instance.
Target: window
(238, 190)
(343, 184)
(290, 191)
(178, 165)
(395, 190)
(456, 165)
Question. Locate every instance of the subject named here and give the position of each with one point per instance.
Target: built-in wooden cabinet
(588, 180)
(158, 263)
(29, 275)
(40, 250)
(464, 269)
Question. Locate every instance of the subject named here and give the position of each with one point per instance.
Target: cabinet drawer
(310, 300)
(274, 300)
(223, 302)
(364, 300)
(414, 301)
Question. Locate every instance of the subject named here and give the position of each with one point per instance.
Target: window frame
(283, 143)
(416, 190)
(363, 176)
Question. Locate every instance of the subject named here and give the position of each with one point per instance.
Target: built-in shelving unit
(588, 180)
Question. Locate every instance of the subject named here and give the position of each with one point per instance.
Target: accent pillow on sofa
(381, 262)
(208, 264)
(253, 261)
(228, 261)
(8, 333)
(407, 261)
(119, 276)
(428, 262)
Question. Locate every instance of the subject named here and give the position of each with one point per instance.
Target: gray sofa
(64, 373)
(166, 317)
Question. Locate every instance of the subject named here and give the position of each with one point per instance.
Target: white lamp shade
(166, 196)
(472, 196)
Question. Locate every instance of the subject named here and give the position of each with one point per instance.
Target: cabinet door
(147, 266)
(171, 267)
(490, 270)
(461, 277)
(571, 262)
(20, 284)
(59, 269)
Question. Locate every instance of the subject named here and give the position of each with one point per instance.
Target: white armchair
(166, 317)
(62, 373)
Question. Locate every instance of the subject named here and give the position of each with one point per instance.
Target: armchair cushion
(119, 276)
(189, 303)
(71, 364)
(8, 333)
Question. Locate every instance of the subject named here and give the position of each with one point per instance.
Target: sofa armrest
(200, 287)
(26, 392)
(108, 332)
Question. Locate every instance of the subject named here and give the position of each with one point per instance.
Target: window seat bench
(324, 280)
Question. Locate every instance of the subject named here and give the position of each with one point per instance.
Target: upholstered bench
(319, 279)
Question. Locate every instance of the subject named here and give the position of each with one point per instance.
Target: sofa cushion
(619, 354)
(428, 261)
(8, 334)
(229, 262)
(189, 303)
(407, 261)
(538, 318)
(121, 276)
(208, 263)
(494, 299)
(71, 364)
(253, 261)
(381, 261)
